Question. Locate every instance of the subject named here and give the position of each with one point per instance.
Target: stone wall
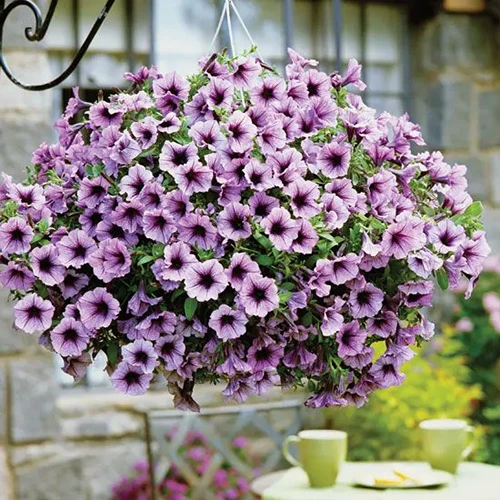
(456, 98)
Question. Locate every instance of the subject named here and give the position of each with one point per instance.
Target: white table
(474, 481)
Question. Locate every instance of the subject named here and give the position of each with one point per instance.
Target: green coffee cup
(321, 454)
(446, 443)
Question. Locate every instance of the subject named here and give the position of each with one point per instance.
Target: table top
(474, 481)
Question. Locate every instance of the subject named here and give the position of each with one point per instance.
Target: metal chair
(272, 421)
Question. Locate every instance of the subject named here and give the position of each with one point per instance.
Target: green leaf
(287, 285)
(442, 279)
(307, 319)
(190, 306)
(43, 226)
(112, 353)
(146, 259)
(265, 260)
(263, 241)
(177, 293)
(284, 297)
(475, 210)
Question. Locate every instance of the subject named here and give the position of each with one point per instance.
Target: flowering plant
(237, 226)
(227, 483)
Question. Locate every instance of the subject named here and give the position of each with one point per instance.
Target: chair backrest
(267, 423)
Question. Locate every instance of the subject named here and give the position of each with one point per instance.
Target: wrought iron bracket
(37, 34)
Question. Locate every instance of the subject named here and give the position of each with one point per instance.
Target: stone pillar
(27, 377)
(456, 91)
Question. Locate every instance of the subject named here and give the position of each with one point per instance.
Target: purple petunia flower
(111, 260)
(332, 321)
(158, 225)
(403, 237)
(197, 229)
(140, 302)
(306, 239)
(365, 301)
(125, 150)
(98, 308)
(417, 293)
(104, 115)
(152, 196)
(336, 211)
(281, 228)
(155, 324)
(73, 284)
(145, 131)
(261, 205)
(205, 281)
(239, 389)
(130, 379)
(17, 277)
(344, 269)
(171, 349)
(262, 356)
(259, 295)
(33, 314)
(272, 137)
(69, 337)
(233, 222)
(303, 195)
(446, 236)
(219, 93)
(46, 265)
(92, 192)
(333, 159)
(259, 175)
(175, 155)
(350, 339)
(269, 91)
(241, 131)
(384, 324)
(228, 323)
(385, 372)
(193, 177)
(424, 262)
(177, 260)
(134, 182)
(75, 248)
(177, 203)
(240, 266)
(361, 359)
(15, 236)
(207, 134)
(245, 72)
(128, 216)
(170, 124)
(142, 354)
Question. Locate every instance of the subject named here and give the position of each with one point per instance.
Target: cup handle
(470, 448)
(286, 452)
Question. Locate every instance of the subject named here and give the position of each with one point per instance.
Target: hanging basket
(237, 226)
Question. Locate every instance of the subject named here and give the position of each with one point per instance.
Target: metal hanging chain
(38, 33)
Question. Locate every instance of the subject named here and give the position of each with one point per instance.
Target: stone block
(478, 174)
(106, 425)
(491, 217)
(18, 140)
(5, 479)
(58, 479)
(3, 407)
(489, 111)
(449, 115)
(105, 465)
(495, 178)
(33, 393)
